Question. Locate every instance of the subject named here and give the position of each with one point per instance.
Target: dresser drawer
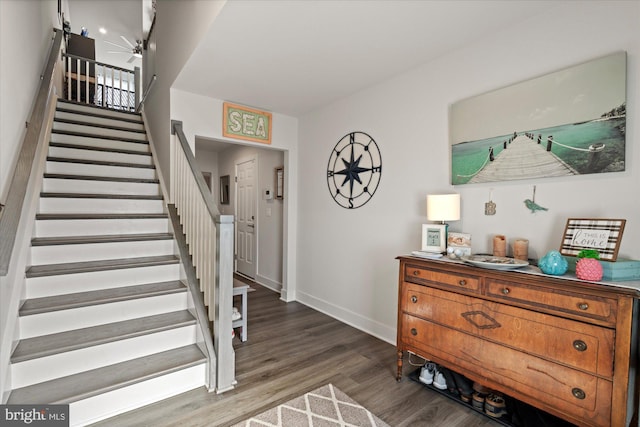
(415, 274)
(560, 389)
(572, 343)
(588, 306)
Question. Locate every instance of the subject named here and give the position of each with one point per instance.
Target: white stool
(240, 288)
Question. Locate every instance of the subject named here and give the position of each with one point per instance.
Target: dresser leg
(399, 373)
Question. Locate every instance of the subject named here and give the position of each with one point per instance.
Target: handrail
(93, 61)
(176, 127)
(209, 237)
(10, 218)
(192, 284)
(146, 93)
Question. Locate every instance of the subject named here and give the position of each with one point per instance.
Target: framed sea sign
(246, 123)
(603, 235)
(570, 122)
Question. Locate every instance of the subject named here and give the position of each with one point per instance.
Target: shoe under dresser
(565, 346)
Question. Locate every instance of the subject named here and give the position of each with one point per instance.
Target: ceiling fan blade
(127, 42)
(117, 45)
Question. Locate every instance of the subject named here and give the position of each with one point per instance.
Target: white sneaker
(427, 372)
(439, 381)
(235, 315)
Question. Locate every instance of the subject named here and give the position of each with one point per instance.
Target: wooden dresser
(565, 346)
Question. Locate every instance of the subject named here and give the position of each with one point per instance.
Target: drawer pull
(580, 345)
(416, 272)
(462, 282)
(505, 291)
(414, 331)
(414, 299)
(583, 306)
(578, 393)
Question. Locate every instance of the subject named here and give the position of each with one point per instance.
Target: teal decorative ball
(553, 263)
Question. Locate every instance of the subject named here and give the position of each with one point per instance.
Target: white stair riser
(105, 156)
(104, 112)
(38, 287)
(58, 205)
(100, 227)
(100, 121)
(125, 399)
(72, 362)
(64, 320)
(60, 254)
(61, 185)
(99, 170)
(99, 142)
(100, 132)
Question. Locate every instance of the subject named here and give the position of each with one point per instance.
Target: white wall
(33, 21)
(207, 161)
(179, 27)
(346, 258)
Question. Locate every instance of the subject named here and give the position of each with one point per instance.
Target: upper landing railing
(97, 83)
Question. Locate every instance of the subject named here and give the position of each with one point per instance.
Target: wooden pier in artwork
(523, 158)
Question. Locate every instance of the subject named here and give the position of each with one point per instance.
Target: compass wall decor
(354, 170)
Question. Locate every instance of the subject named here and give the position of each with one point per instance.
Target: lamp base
(425, 254)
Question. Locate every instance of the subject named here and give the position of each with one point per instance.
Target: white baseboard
(370, 326)
(268, 283)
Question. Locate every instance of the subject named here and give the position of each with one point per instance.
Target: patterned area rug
(323, 407)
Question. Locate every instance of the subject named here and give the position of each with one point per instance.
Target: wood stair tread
(107, 238)
(74, 216)
(100, 178)
(96, 109)
(135, 118)
(47, 345)
(102, 265)
(98, 136)
(102, 149)
(102, 296)
(86, 384)
(99, 162)
(97, 125)
(101, 196)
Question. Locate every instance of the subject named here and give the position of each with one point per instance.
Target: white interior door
(245, 216)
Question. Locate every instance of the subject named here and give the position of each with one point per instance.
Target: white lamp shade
(443, 207)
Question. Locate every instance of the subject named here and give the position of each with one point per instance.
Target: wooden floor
(293, 349)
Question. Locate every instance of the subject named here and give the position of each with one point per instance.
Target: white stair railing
(209, 236)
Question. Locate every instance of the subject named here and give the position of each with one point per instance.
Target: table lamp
(443, 207)
(440, 208)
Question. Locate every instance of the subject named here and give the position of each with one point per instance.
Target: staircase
(107, 324)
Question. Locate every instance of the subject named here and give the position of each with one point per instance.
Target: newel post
(222, 324)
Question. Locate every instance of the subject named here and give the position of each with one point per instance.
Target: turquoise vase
(553, 263)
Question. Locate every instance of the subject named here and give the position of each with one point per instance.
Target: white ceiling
(292, 57)
(118, 18)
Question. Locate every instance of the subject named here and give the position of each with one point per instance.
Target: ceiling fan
(134, 50)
